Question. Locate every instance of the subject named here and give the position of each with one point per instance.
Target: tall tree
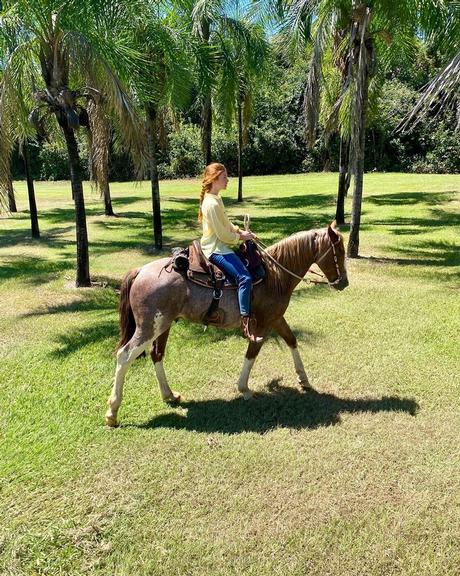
(243, 50)
(61, 45)
(11, 132)
(203, 15)
(35, 229)
(161, 85)
(364, 38)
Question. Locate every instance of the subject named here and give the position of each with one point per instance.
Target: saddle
(198, 269)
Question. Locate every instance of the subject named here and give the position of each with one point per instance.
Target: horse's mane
(292, 252)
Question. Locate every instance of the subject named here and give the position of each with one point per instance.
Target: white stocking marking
(124, 360)
(166, 392)
(244, 377)
(302, 377)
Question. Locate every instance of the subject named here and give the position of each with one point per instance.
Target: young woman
(218, 234)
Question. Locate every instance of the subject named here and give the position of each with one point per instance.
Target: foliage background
(276, 137)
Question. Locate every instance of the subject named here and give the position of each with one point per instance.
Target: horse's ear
(332, 232)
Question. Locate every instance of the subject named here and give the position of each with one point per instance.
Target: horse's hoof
(248, 394)
(111, 421)
(173, 399)
(304, 384)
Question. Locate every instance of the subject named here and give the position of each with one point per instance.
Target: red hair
(211, 173)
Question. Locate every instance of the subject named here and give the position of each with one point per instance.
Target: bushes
(54, 162)
(183, 156)
(276, 141)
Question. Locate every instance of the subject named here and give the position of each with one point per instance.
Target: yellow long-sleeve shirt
(218, 231)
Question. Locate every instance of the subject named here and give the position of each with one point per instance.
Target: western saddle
(198, 269)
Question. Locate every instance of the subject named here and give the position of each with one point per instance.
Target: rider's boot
(249, 326)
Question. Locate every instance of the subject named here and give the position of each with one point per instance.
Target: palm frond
(359, 99)
(204, 12)
(99, 140)
(118, 103)
(312, 92)
(14, 125)
(442, 90)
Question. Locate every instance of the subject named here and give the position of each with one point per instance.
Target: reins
(263, 248)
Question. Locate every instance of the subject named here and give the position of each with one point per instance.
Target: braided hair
(211, 173)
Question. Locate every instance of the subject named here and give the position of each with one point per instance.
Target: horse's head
(330, 256)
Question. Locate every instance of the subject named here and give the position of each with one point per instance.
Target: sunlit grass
(361, 476)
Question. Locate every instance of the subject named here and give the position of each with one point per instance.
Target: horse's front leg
(251, 355)
(157, 353)
(283, 329)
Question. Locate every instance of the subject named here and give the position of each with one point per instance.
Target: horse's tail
(127, 322)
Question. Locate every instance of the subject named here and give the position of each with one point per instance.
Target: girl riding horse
(218, 233)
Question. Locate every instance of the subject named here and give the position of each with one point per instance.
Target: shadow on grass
(430, 253)
(71, 342)
(305, 201)
(410, 198)
(103, 299)
(280, 406)
(438, 219)
(33, 270)
(433, 253)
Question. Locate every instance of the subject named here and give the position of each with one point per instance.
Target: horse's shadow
(279, 406)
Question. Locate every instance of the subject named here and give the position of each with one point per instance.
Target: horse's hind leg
(283, 329)
(157, 353)
(125, 357)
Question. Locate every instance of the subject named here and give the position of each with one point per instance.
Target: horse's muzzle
(341, 284)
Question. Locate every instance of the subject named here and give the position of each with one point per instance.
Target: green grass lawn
(359, 477)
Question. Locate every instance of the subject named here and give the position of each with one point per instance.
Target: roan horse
(152, 299)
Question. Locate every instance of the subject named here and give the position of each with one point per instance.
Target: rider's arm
(220, 224)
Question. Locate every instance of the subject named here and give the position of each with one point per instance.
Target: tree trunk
(99, 143)
(106, 193)
(240, 152)
(206, 113)
(11, 199)
(155, 185)
(31, 192)
(358, 135)
(353, 240)
(83, 278)
(344, 180)
(206, 129)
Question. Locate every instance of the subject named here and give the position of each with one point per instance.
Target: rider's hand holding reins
(247, 235)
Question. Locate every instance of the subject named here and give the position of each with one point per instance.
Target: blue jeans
(234, 269)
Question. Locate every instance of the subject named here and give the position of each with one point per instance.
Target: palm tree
(364, 38)
(243, 51)
(203, 15)
(161, 85)
(6, 184)
(443, 89)
(35, 230)
(61, 44)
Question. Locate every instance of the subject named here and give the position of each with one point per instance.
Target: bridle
(332, 248)
(336, 262)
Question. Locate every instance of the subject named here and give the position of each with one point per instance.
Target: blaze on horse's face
(333, 263)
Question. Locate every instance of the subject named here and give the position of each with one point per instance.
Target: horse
(152, 298)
